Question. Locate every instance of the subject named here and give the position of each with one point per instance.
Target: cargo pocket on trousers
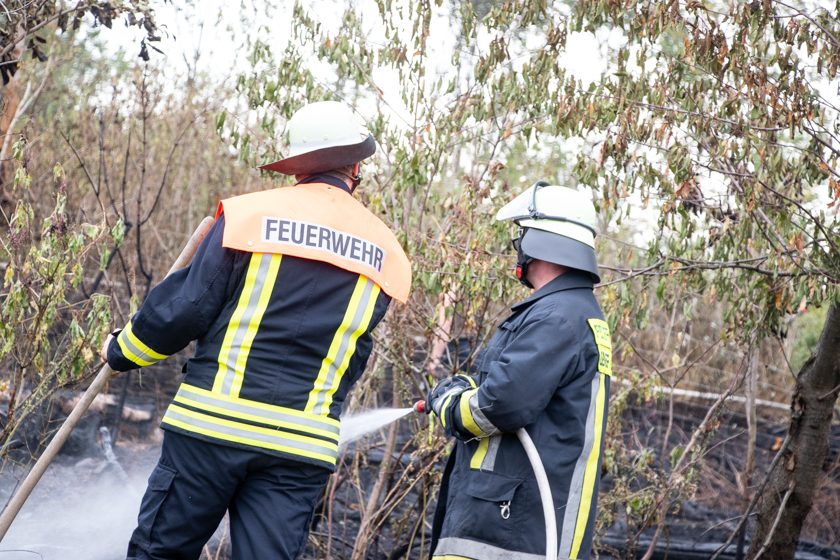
(160, 481)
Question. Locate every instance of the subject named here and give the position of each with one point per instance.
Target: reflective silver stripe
(489, 462)
(467, 548)
(349, 334)
(446, 398)
(576, 487)
(481, 420)
(245, 321)
(135, 352)
(268, 415)
(211, 424)
(132, 352)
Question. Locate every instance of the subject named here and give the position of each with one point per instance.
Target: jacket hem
(449, 548)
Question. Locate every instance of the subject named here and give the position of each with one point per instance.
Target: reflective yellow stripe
(135, 349)
(244, 322)
(198, 392)
(129, 332)
(131, 355)
(444, 407)
(290, 424)
(469, 379)
(315, 442)
(254, 324)
(354, 337)
(330, 358)
(235, 319)
(601, 332)
(254, 436)
(480, 453)
(355, 322)
(457, 548)
(466, 414)
(591, 472)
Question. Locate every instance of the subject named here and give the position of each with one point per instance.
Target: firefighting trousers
(270, 500)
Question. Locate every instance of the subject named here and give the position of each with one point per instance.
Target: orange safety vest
(320, 222)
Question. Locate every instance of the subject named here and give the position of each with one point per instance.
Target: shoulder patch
(601, 332)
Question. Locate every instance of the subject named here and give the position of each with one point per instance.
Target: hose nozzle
(420, 406)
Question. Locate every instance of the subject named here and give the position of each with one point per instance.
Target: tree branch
(26, 32)
(825, 31)
(776, 521)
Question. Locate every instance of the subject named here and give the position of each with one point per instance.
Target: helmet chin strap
(356, 177)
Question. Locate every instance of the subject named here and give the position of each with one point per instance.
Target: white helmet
(323, 136)
(558, 226)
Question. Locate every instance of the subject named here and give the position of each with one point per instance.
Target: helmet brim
(325, 159)
(553, 208)
(562, 250)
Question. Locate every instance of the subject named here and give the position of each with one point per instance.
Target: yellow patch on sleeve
(601, 331)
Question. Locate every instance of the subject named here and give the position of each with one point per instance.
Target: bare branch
(799, 12)
(756, 495)
(776, 521)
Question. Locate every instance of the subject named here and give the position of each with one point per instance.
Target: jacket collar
(328, 179)
(571, 280)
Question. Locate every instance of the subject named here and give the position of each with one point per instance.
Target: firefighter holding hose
(282, 297)
(547, 369)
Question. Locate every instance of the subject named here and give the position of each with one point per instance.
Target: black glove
(441, 393)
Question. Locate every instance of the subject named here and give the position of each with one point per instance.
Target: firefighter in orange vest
(282, 297)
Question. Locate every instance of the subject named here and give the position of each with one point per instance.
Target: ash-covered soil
(83, 508)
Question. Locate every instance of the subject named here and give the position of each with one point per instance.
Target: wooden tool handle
(19, 498)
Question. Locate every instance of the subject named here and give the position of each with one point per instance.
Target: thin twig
(683, 462)
(829, 394)
(166, 168)
(754, 500)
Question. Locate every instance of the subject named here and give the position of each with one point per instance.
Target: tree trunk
(793, 482)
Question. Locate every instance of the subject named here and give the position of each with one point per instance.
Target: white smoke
(86, 510)
(77, 512)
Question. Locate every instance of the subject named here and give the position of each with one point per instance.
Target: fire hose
(19, 498)
(542, 484)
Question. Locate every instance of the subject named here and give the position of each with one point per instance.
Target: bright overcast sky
(210, 30)
(216, 29)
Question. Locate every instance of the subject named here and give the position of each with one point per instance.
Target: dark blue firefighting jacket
(280, 339)
(547, 369)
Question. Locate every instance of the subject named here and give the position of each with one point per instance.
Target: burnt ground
(698, 527)
(85, 506)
